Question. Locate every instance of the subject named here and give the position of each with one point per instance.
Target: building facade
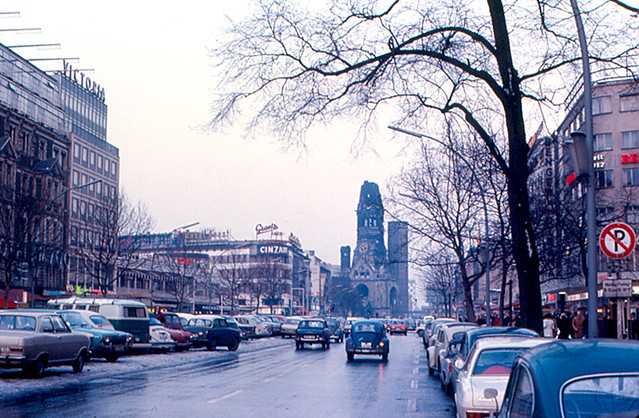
(555, 188)
(34, 175)
(371, 273)
(210, 271)
(94, 197)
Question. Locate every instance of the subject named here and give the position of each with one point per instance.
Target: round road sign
(617, 240)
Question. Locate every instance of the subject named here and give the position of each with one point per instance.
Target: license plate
(308, 338)
(366, 345)
(366, 350)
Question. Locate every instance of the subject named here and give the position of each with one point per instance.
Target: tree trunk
(523, 240)
(502, 293)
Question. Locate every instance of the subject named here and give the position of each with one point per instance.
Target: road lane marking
(228, 395)
(413, 384)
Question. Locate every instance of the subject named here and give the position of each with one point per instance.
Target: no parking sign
(617, 240)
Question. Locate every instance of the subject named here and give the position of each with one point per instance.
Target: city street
(265, 376)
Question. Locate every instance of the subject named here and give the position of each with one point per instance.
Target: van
(125, 315)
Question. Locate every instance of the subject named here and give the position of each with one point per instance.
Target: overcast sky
(151, 58)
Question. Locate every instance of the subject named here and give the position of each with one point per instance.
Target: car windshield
(602, 397)
(496, 362)
(74, 319)
(100, 321)
(366, 327)
(331, 322)
(17, 323)
(312, 324)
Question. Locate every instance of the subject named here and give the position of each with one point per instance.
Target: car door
(221, 332)
(49, 340)
(67, 343)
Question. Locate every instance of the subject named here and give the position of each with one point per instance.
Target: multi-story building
(554, 187)
(320, 274)
(34, 174)
(398, 261)
(264, 275)
(94, 202)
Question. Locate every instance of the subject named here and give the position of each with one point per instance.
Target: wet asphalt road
(269, 382)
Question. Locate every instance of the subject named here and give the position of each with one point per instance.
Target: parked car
(312, 331)
(335, 326)
(367, 337)
(125, 315)
(161, 340)
(33, 341)
(246, 326)
(411, 324)
(173, 324)
(184, 318)
(262, 328)
(422, 324)
(212, 331)
(486, 372)
(430, 327)
(397, 326)
(105, 342)
(578, 378)
(275, 323)
(473, 335)
(436, 352)
(289, 327)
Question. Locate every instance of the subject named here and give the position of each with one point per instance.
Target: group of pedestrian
(565, 325)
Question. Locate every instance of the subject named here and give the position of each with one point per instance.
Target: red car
(181, 337)
(397, 326)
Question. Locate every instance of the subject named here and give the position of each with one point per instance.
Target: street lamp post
(591, 219)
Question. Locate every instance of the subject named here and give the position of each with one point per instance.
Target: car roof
(500, 330)
(459, 328)
(33, 312)
(506, 342)
(557, 359)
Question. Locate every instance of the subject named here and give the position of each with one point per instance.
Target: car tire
(350, 357)
(385, 357)
(234, 345)
(78, 363)
(36, 369)
(111, 358)
(323, 346)
(328, 345)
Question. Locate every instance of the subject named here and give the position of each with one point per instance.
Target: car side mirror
(459, 363)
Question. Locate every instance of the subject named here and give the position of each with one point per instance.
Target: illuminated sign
(599, 160)
(84, 81)
(630, 158)
(272, 249)
(261, 229)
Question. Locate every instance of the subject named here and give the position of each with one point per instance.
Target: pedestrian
(507, 319)
(564, 326)
(518, 321)
(549, 326)
(481, 320)
(578, 324)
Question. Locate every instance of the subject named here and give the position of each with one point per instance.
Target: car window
(47, 325)
(605, 396)
(133, 312)
(94, 308)
(17, 323)
(220, 323)
(184, 322)
(495, 362)
(74, 319)
(312, 324)
(523, 397)
(99, 320)
(58, 325)
(366, 328)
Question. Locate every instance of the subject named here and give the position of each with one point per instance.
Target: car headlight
(200, 334)
(129, 338)
(381, 343)
(107, 340)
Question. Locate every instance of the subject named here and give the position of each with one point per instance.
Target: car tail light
(476, 415)
(450, 367)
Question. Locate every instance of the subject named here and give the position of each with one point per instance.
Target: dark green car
(106, 342)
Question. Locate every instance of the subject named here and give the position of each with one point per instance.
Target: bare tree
(441, 282)
(437, 197)
(109, 245)
(232, 273)
(350, 59)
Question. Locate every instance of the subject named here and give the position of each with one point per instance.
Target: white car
(262, 328)
(160, 337)
(185, 318)
(439, 343)
(482, 380)
(444, 359)
(289, 327)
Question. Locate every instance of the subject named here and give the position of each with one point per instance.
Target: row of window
(93, 187)
(90, 212)
(603, 141)
(94, 160)
(605, 178)
(603, 104)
